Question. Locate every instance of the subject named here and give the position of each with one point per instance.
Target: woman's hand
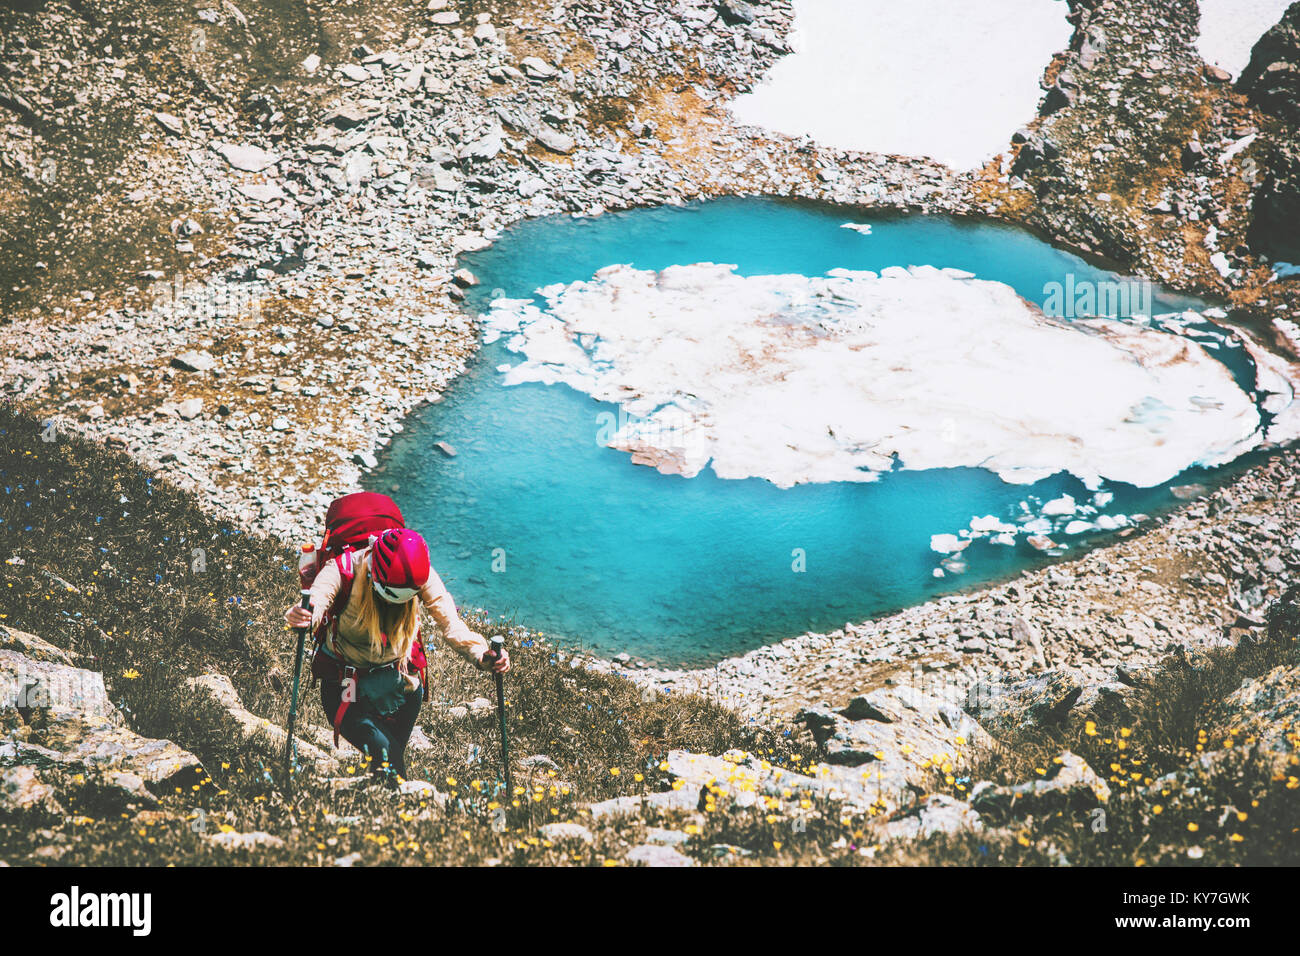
(498, 665)
(298, 616)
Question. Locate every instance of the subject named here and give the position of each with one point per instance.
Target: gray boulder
(887, 751)
(1008, 706)
(58, 721)
(1109, 704)
(1068, 784)
(45, 685)
(1036, 151)
(524, 122)
(22, 790)
(232, 840)
(194, 361)
(737, 12)
(559, 832)
(649, 854)
(937, 813)
(251, 159)
(686, 798)
(214, 702)
(1268, 709)
(419, 741)
(535, 68)
(349, 116)
(665, 837)
(539, 762)
(33, 647)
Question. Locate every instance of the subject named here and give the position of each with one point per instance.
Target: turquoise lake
(534, 520)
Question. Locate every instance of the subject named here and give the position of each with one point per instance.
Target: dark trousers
(382, 738)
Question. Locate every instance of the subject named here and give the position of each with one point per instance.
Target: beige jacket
(353, 643)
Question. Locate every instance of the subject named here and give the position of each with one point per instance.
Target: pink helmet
(399, 565)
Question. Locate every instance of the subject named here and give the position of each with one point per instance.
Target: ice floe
(991, 524)
(1035, 524)
(947, 543)
(948, 79)
(1063, 505)
(840, 377)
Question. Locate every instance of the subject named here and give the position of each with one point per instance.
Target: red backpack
(350, 522)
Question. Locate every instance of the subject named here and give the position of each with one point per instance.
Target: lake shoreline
(1108, 615)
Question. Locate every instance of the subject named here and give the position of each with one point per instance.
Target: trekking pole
(291, 745)
(498, 647)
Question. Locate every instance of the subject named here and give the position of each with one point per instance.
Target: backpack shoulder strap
(347, 569)
(347, 573)
(347, 566)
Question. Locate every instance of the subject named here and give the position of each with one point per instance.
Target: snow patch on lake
(838, 378)
(948, 79)
(1231, 28)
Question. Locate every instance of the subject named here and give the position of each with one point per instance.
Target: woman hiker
(370, 691)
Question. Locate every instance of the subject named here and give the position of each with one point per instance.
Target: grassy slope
(128, 596)
(91, 123)
(1235, 810)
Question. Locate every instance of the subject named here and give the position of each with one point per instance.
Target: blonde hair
(400, 622)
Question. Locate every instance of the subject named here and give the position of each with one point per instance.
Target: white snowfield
(837, 378)
(947, 79)
(1229, 29)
